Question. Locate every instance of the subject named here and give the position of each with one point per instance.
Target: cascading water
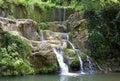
(42, 35)
(64, 14)
(78, 53)
(81, 62)
(71, 44)
(90, 66)
(59, 14)
(59, 54)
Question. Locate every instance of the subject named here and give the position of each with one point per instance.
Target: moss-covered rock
(72, 59)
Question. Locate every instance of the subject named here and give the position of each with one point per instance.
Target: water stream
(81, 62)
(59, 54)
(79, 57)
(64, 14)
(90, 68)
(42, 35)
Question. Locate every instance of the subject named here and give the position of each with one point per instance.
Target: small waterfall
(81, 62)
(59, 54)
(71, 44)
(90, 66)
(65, 36)
(78, 53)
(64, 40)
(59, 14)
(64, 14)
(42, 35)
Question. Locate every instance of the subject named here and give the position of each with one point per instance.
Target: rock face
(42, 55)
(76, 24)
(25, 27)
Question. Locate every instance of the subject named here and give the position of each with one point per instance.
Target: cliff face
(36, 11)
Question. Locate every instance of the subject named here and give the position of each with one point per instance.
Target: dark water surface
(85, 77)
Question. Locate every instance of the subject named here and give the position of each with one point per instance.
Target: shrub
(14, 56)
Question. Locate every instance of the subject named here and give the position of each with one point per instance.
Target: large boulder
(76, 24)
(42, 55)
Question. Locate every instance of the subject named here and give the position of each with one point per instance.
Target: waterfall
(81, 62)
(59, 54)
(59, 14)
(42, 36)
(71, 44)
(64, 14)
(79, 57)
(58, 50)
(90, 66)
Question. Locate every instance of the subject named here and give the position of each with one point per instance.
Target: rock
(25, 27)
(57, 26)
(49, 35)
(28, 28)
(77, 25)
(75, 20)
(42, 55)
(72, 59)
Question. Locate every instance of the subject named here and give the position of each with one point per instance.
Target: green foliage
(83, 56)
(14, 55)
(49, 69)
(103, 25)
(45, 26)
(11, 17)
(75, 65)
(22, 46)
(1, 3)
(71, 35)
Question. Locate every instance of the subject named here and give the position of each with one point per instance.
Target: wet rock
(72, 59)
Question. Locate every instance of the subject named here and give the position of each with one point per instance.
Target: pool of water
(85, 77)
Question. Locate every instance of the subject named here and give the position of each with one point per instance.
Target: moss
(71, 35)
(83, 56)
(75, 65)
(72, 58)
(69, 52)
(45, 26)
(49, 69)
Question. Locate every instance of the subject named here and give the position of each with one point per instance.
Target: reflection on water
(64, 78)
(92, 77)
(86, 77)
